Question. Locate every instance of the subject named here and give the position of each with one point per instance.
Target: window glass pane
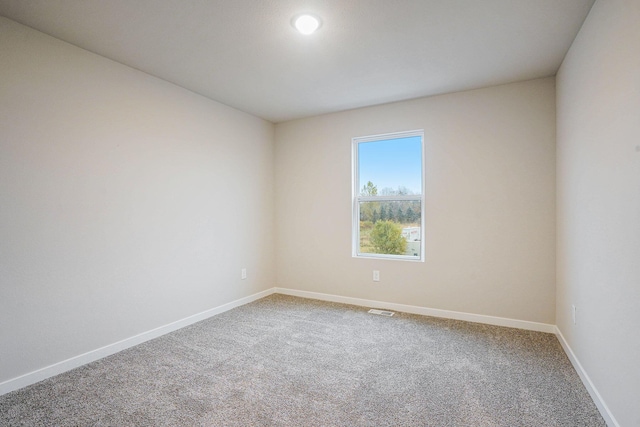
(390, 227)
(392, 166)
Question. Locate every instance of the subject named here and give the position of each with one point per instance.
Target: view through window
(387, 202)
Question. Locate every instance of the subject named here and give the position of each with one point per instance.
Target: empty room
(320, 213)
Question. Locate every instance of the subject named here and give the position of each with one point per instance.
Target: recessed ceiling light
(306, 23)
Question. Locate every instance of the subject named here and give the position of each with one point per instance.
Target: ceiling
(245, 53)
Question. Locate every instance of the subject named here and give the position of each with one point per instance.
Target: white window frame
(357, 198)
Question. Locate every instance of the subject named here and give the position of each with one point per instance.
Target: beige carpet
(285, 361)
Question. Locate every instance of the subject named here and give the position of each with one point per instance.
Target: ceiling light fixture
(306, 23)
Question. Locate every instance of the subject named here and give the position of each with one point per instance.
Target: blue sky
(391, 163)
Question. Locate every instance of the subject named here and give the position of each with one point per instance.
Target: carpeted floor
(285, 361)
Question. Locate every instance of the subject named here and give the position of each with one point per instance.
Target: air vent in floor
(381, 312)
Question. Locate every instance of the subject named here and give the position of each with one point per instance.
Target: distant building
(411, 234)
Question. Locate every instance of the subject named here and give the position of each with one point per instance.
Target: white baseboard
(477, 318)
(593, 392)
(93, 355)
(77, 361)
(457, 315)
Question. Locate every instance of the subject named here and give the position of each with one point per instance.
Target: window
(387, 196)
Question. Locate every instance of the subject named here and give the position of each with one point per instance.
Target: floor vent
(381, 312)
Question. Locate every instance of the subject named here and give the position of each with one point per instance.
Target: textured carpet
(285, 361)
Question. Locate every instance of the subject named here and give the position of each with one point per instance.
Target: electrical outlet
(243, 274)
(376, 275)
(573, 313)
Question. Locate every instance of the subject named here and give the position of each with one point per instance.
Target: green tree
(390, 214)
(367, 208)
(386, 238)
(383, 213)
(369, 190)
(410, 215)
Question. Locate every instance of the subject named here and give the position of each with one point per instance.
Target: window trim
(356, 199)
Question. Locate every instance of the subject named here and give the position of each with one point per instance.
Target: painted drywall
(598, 169)
(126, 203)
(490, 203)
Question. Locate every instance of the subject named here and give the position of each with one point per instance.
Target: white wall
(599, 203)
(490, 203)
(126, 202)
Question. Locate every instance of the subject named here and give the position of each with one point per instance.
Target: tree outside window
(388, 200)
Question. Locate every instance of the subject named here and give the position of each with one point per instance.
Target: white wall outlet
(243, 273)
(573, 313)
(376, 275)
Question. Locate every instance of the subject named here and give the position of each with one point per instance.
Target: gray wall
(126, 203)
(599, 203)
(490, 203)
